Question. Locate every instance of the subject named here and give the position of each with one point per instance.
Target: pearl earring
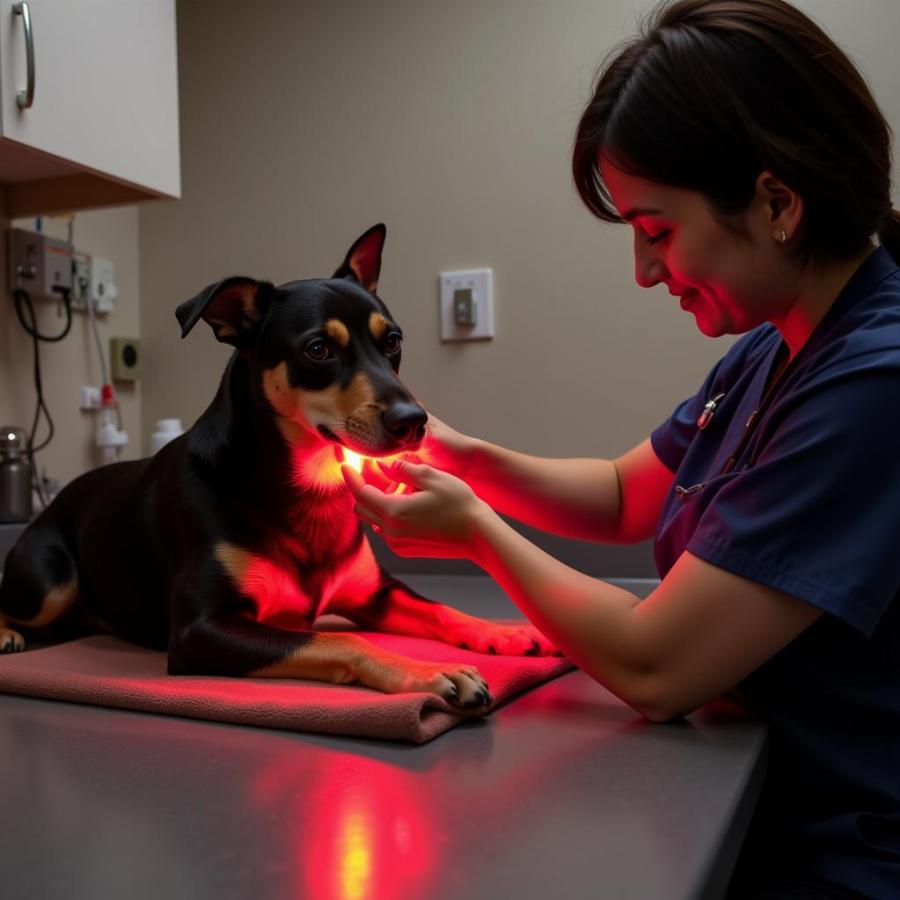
(783, 236)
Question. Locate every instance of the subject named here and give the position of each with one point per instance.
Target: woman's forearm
(592, 622)
(576, 498)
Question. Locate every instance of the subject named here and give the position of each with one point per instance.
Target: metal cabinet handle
(25, 98)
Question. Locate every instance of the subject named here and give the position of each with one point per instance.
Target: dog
(225, 547)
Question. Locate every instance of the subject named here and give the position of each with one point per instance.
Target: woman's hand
(445, 447)
(438, 519)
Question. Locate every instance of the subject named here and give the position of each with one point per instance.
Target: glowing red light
(353, 459)
(357, 461)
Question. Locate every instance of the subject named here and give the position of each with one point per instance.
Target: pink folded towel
(105, 671)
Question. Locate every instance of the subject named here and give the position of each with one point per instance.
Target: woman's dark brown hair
(713, 92)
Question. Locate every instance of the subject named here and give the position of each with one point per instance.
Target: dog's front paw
(505, 640)
(11, 641)
(459, 685)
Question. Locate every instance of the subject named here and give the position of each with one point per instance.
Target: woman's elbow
(655, 699)
(649, 688)
(660, 716)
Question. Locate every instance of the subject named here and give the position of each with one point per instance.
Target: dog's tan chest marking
(278, 598)
(281, 600)
(353, 583)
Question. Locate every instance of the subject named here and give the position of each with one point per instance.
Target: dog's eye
(392, 343)
(318, 350)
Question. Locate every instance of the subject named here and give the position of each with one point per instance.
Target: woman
(751, 161)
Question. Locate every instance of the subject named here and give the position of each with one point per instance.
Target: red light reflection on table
(366, 836)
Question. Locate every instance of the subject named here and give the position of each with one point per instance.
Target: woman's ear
(782, 204)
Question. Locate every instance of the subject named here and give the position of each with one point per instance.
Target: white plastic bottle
(109, 438)
(165, 431)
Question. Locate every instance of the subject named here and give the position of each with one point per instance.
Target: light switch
(467, 312)
(465, 307)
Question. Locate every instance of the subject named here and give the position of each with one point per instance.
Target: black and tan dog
(227, 545)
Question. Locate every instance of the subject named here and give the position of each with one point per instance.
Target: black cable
(23, 302)
(20, 296)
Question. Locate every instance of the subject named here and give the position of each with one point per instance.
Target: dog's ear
(363, 260)
(232, 308)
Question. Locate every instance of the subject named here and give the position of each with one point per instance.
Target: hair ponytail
(889, 234)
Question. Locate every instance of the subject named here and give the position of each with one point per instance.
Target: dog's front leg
(236, 645)
(397, 609)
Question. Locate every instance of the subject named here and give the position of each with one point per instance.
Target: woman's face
(729, 283)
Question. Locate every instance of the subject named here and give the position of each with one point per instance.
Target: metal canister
(15, 476)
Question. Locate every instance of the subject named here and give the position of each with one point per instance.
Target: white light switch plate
(480, 283)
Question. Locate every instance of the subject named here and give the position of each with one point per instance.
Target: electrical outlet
(125, 359)
(89, 398)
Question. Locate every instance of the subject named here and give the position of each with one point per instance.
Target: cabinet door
(106, 86)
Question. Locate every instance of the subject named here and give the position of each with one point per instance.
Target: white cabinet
(103, 124)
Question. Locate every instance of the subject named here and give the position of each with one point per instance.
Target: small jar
(15, 476)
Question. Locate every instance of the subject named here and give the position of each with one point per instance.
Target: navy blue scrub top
(812, 507)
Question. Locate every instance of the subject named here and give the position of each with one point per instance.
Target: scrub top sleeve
(818, 513)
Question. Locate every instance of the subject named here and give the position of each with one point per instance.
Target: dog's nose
(405, 422)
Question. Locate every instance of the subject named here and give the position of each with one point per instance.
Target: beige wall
(305, 122)
(111, 233)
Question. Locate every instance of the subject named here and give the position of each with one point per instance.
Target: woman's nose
(649, 269)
